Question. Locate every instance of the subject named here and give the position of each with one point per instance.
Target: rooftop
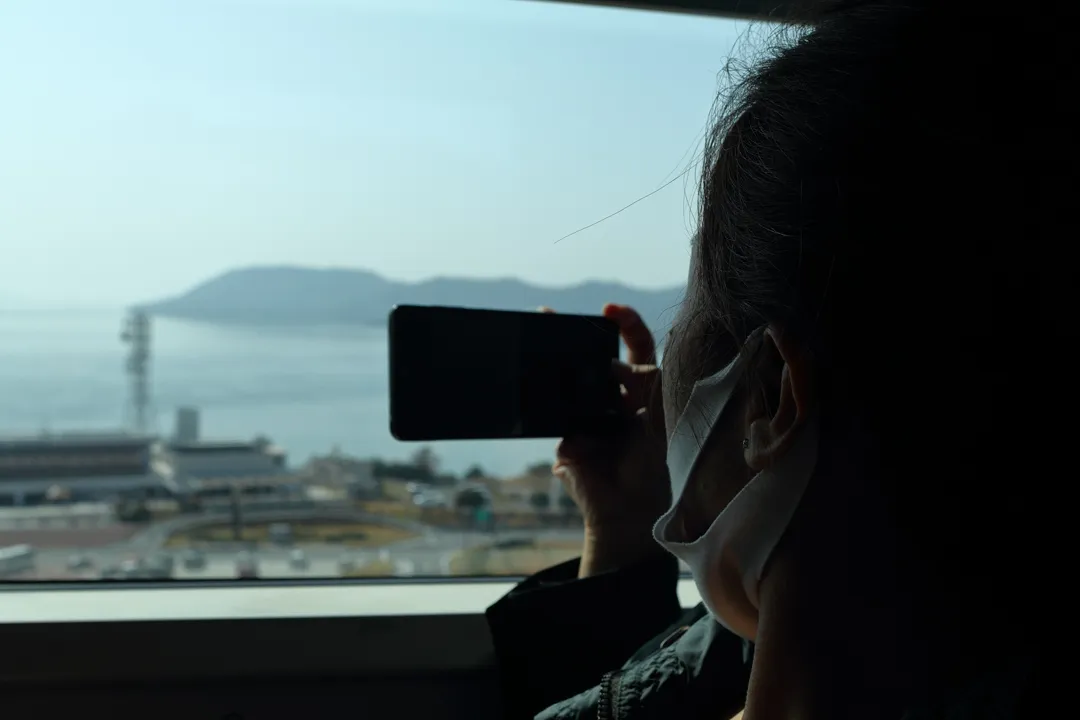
(227, 446)
(228, 481)
(73, 442)
(211, 447)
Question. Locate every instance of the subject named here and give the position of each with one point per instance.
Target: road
(153, 537)
(426, 555)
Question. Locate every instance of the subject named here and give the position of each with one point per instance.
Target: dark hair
(894, 183)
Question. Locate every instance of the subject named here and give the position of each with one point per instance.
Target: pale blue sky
(146, 145)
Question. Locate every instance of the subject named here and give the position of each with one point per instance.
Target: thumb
(639, 381)
(627, 373)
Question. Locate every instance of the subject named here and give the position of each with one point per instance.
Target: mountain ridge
(288, 295)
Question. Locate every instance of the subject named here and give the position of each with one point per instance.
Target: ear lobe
(772, 432)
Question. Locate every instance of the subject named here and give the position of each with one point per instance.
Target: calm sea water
(308, 389)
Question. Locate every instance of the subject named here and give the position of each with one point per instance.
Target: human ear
(780, 398)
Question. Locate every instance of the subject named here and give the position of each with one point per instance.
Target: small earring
(746, 443)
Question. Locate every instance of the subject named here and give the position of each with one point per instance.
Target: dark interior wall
(733, 8)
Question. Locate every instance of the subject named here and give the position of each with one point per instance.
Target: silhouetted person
(865, 394)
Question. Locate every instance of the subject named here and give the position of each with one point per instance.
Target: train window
(208, 208)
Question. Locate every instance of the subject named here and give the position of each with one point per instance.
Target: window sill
(81, 603)
(87, 634)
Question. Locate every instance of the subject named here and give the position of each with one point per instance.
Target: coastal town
(122, 506)
(134, 504)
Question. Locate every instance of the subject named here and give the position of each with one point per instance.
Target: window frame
(117, 632)
(745, 9)
(143, 632)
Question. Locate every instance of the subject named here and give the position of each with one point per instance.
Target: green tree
(470, 499)
(133, 510)
(401, 471)
(539, 469)
(475, 473)
(426, 460)
(540, 501)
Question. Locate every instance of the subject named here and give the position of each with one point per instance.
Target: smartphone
(463, 374)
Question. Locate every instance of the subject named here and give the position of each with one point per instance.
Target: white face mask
(728, 560)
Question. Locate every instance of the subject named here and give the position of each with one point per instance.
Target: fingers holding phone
(511, 375)
(619, 480)
(533, 375)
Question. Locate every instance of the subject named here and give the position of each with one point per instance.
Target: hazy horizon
(8, 303)
(151, 145)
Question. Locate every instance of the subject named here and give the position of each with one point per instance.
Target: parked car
(111, 572)
(281, 533)
(246, 566)
(298, 559)
(160, 566)
(430, 499)
(131, 568)
(79, 561)
(194, 559)
(17, 559)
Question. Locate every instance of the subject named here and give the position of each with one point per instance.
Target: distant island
(295, 295)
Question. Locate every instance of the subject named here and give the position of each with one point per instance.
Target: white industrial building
(216, 469)
(78, 468)
(103, 468)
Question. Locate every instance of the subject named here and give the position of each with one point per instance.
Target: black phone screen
(462, 374)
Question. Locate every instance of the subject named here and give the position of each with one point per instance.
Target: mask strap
(699, 418)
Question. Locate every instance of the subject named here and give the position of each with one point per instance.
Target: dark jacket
(562, 640)
(562, 645)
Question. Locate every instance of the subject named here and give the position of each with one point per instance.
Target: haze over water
(307, 389)
(170, 142)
